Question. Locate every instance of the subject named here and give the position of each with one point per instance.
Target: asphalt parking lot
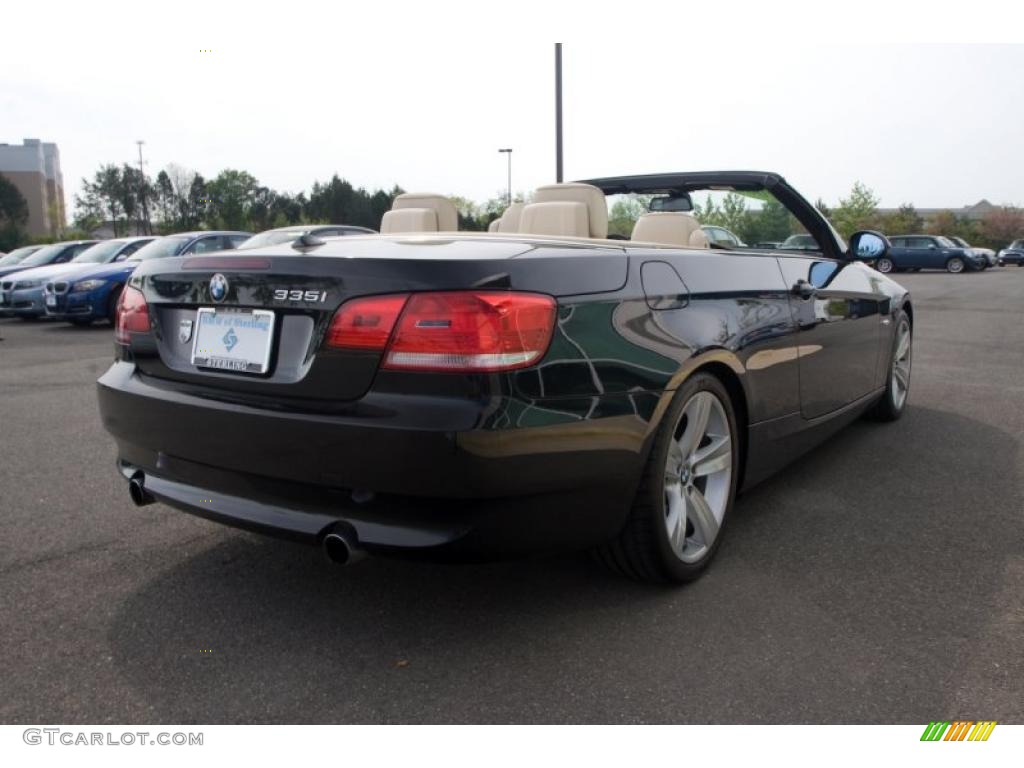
(880, 579)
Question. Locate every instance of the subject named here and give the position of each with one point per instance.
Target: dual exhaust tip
(340, 545)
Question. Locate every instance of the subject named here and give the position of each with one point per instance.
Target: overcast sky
(293, 97)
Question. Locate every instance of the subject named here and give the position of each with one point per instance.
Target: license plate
(233, 340)
(51, 301)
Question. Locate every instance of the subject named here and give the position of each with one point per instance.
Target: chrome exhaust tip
(139, 495)
(341, 548)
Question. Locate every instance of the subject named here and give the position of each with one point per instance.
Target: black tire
(115, 296)
(885, 266)
(955, 265)
(890, 407)
(642, 549)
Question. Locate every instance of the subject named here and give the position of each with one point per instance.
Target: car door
(899, 253)
(926, 253)
(837, 309)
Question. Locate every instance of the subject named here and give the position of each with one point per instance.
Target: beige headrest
(510, 219)
(494, 226)
(563, 219)
(447, 215)
(592, 197)
(409, 220)
(680, 229)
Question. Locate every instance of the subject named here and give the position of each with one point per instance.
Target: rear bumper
(407, 475)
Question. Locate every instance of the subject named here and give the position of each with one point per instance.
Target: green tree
(858, 211)
(624, 213)
(13, 214)
(943, 223)
(1002, 225)
(734, 212)
(231, 196)
(904, 221)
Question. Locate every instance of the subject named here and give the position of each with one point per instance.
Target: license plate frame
(210, 350)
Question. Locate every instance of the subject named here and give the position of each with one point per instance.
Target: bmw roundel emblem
(218, 287)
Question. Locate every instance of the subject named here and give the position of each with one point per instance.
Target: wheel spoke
(705, 526)
(697, 413)
(904, 346)
(902, 378)
(713, 458)
(675, 520)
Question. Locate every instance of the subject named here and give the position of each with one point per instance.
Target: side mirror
(869, 245)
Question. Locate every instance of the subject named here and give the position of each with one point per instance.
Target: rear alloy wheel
(955, 265)
(892, 404)
(687, 489)
(885, 266)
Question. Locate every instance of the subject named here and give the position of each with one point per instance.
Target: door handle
(804, 290)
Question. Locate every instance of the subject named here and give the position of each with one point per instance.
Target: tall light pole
(558, 112)
(509, 153)
(142, 191)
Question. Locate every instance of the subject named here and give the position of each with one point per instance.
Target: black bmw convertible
(434, 393)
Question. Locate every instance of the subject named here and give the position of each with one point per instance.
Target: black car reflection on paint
(328, 446)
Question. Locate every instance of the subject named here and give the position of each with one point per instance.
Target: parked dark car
(799, 242)
(58, 253)
(475, 395)
(1013, 254)
(291, 234)
(917, 252)
(722, 237)
(93, 293)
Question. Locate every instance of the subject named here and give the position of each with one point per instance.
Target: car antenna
(306, 241)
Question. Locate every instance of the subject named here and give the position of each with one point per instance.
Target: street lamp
(509, 153)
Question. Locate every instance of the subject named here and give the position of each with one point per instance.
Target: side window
(69, 253)
(233, 241)
(917, 242)
(130, 249)
(899, 242)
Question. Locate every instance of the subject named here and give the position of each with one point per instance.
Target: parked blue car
(916, 252)
(26, 294)
(12, 280)
(93, 293)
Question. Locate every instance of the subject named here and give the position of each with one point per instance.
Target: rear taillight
(365, 323)
(132, 315)
(458, 331)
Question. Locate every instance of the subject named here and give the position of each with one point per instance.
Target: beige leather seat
(680, 229)
(590, 196)
(509, 221)
(420, 212)
(557, 218)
